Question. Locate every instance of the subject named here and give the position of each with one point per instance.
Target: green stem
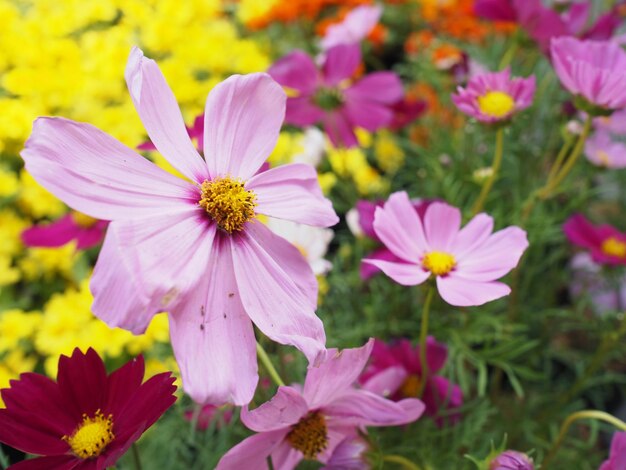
(267, 363)
(495, 167)
(136, 458)
(567, 145)
(586, 414)
(404, 462)
(508, 55)
(423, 337)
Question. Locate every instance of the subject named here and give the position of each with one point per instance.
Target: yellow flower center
(92, 436)
(228, 203)
(439, 263)
(411, 386)
(605, 158)
(614, 247)
(83, 220)
(496, 103)
(310, 435)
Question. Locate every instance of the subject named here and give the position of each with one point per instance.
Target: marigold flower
(85, 419)
(606, 244)
(465, 262)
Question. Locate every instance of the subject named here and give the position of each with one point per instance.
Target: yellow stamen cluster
(310, 435)
(614, 247)
(91, 436)
(439, 263)
(83, 220)
(496, 104)
(228, 203)
(411, 386)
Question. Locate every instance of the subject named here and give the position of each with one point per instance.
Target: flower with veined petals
(85, 230)
(329, 95)
(192, 247)
(602, 150)
(511, 460)
(466, 262)
(606, 244)
(354, 28)
(395, 370)
(350, 454)
(309, 423)
(495, 97)
(594, 71)
(86, 419)
(617, 456)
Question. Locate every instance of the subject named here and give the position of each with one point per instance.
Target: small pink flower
(495, 97)
(311, 422)
(592, 70)
(86, 231)
(466, 263)
(395, 370)
(191, 247)
(590, 280)
(617, 457)
(330, 95)
(602, 150)
(511, 460)
(354, 28)
(606, 244)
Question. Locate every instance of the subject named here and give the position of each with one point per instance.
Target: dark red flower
(85, 420)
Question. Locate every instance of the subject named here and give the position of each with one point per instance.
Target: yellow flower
(36, 201)
(8, 274)
(11, 227)
(16, 325)
(8, 182)
(158, 331)
(389, 155)
(47, 263)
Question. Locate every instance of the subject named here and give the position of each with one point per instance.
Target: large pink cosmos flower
(329, 95)
(617, 457)
(592, 70)
(86, 231)
(355, 27)
(495, 97)
(395, 370)
(311, 422)
(466, 263)
(192, 247)
(606, 244)
(602, 150)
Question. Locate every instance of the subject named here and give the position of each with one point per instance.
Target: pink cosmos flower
(606, 244)
(192, 247)
(617, 457)
(511, 460)
(86, 231)
(614, 124)
(354, 28)
(330, 95)
(592, 70)
(605, 292)
(311, 422)
(602, 150)
(466, 263)
(350, 454)
(395, 370)
(495, 97)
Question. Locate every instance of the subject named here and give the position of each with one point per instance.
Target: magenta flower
(592, 70)
(495, 97)
(355, 27)
(511, 460)
(330, 95)
(606, 244)
(395, 370)
(309, 423)
(466, 263)
(602, 150)
(406, 111)
(192, 248)
(86, 231)
(617, 457)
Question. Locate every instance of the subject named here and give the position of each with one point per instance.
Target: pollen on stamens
(614, 247)
(439, 263)
(309, 435)
(228, 203)
(496, 103)
(92, 436)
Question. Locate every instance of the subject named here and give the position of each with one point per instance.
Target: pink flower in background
(617, 457)
(495, 97)
(195, 132)
(614, 124)
(511, 460)
(86, 231)
(192, 248)
(395, 370)
(354, 28)
(465, 262)
(406, 111)
(310, 422)
(602, 150)
(606, 293)
(209, 414)
(593, 70)
(606, 244)
(330, 96)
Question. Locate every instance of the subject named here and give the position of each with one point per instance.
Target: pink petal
(368, 270)
(441, 224)
(386, 382)
(465, 293)
(406, 274)
(302, 111)
(252, 453)
(283, 410)
(160, 114)
(285, 457)
(272, 299)
(242, 120)
(369, 115)
(341, 63)
(473, 235)
(296, 70)
(95, 174)
(379, 87)
(54, 234)
(340, 130)
(293, 192)
(212, 336)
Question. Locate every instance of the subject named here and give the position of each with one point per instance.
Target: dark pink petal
(95, 174)
(160, 114)
(369, 115)
(366, 211)
(54, 234)
(296, 70)
(242, 120)
(340, 130)
(367, 270)
(292, 192)
(462, 292)
(436, 355)
(122, 384)
(82, 379)
(91, 236)
(495, 10)
(57, 462)
(252, 453)
(341, 63)
(406, 274)
(379, 87)
(439, 395)
(302, 111)
(581, 232)
(283, 410)
(30, 433)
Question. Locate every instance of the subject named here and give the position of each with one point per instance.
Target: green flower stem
(402, 461)
(267, 363)
(423, 336)
(495, 168)
(136, 458)
(567, 145)
(586, 414)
